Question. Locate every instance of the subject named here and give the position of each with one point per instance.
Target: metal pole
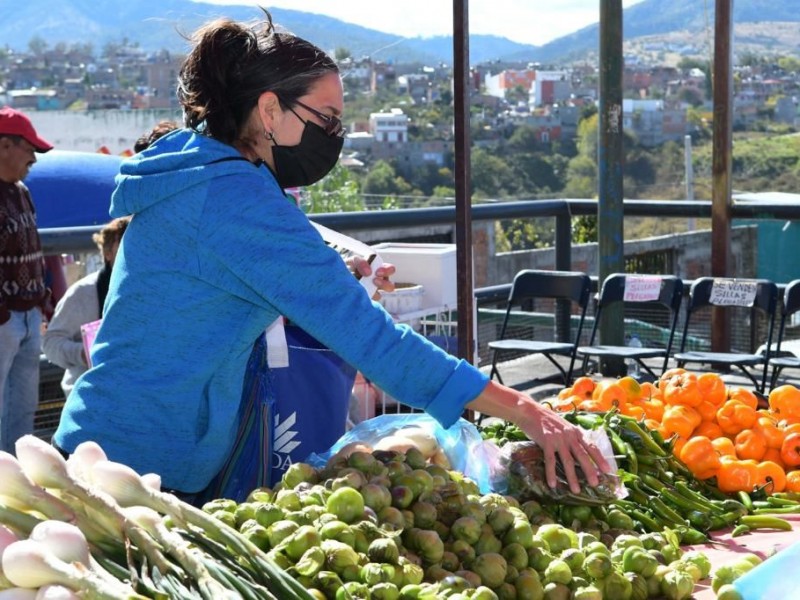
(721, 167)
(689, 171)
(610, 157)
(465, 328)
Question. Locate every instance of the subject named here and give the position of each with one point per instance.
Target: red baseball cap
(13, 122)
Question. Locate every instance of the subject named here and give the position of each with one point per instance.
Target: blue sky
(526, 21)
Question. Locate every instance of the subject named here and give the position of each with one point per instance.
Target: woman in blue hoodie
(214, 253)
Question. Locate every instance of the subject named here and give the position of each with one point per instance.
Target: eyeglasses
(331, 125)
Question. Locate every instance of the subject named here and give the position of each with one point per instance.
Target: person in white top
(83, 303)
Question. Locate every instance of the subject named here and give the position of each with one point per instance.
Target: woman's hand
(382, 274)
(559, 439)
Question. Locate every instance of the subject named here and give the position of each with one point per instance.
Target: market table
(724, 549)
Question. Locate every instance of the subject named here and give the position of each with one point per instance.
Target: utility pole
(721, 168)
(465, 299)
(689, 173)
(610, 211)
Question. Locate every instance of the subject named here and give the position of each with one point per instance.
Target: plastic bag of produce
(522, 475)
(460, 447)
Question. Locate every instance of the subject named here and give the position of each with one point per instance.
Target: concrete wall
(87, 131)
(691, 256)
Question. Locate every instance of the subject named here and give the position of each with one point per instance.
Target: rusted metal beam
(721, 186)
(610, 225)
(466, 309)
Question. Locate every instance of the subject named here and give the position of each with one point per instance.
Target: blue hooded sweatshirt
(215, 253)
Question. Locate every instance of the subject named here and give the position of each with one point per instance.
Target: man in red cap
(23, 293)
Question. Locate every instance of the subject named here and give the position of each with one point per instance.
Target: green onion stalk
(127, 488)
(48, 469)
(188, 557)
(32, 564)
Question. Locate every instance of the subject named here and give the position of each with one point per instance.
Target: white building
(389, 126)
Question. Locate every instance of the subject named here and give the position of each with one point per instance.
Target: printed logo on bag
(285, 442)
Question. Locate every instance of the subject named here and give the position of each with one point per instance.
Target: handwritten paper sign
(642, 288)
(729, 292)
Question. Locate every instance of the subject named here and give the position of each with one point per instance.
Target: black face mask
(310, 160)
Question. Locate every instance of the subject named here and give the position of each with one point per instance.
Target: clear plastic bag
(465, 449)
(520, 472)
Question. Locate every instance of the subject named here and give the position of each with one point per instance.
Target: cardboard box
(431, 265)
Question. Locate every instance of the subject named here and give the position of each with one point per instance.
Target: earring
(269, 135)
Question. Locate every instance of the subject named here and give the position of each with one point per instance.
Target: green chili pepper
(688, 493)
(691, 536)
(699, 519)
(772, 501)
(649, 523)
(665, 512)
(740, 530)
(766, 522)
(681, 501)
(745, 499)
(647, 439)
(777, 510)
(653, 482)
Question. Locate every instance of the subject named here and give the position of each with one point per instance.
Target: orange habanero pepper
(744, 396)
(682, 389)
(699, 455)
(784, 401)
(680, 419)
(793, 481)
(724, 446)
(710, 429)
(712, 388)
(736, 476)
(750, 443)
(773, 434)
(734, 416)
(790, 450)
(770, 476)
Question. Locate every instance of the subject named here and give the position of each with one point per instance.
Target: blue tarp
(72, 189)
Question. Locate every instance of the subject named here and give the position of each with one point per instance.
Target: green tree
(587, 137)
(581, 178)
(382, 180)
(790, 64)
(524, 139)
(491, 175)
(37, 45)
(336, 192)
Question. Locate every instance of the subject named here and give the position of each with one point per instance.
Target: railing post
(563, 252)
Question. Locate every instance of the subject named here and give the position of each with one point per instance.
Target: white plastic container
(431, 265)
(405, 299)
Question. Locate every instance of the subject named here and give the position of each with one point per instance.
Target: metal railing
(489, 299)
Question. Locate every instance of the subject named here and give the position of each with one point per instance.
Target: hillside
(760, 26)
(694, 21)
(158, 25)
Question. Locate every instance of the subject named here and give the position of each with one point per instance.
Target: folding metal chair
(641, 291)
(529, 285)
(758, 295)
(791, 305)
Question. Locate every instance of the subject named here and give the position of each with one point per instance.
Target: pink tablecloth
(723, 549)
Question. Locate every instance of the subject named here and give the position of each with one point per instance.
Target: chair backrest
(574, 286)
(568, 285)
(664, 290)
(791, 304)
(755, 294)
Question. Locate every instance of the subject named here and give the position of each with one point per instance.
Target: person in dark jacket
(23, 293)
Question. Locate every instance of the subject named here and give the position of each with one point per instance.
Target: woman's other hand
(381, 277)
